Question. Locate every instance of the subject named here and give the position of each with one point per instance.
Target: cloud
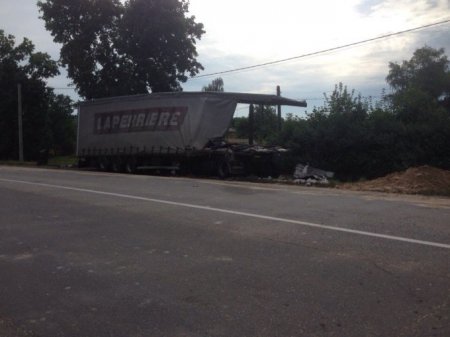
(366, 7)
(21, 19)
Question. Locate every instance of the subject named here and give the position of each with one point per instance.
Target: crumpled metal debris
(307, 175)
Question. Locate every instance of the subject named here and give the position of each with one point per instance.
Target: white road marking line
(227, 211)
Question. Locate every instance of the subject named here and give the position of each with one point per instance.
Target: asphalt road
(87, 254)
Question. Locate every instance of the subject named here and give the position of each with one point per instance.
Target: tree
(20, 64)
(61, 124)
(216, 85)
(420, 100)
(264, 125)
(112, 48)
(342, 101)
(428, 71)
(420, 85)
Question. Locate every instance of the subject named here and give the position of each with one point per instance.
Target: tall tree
(112, 48)
(420, 85)
(61, 124)
(421, 101)
(20, 64)
(265, 125)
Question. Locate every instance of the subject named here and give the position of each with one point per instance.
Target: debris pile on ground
(307, 175)
(416, 180)
(9, 329)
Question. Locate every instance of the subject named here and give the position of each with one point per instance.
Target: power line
(323, 51)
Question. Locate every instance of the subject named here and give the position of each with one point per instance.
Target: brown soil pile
(416, 180)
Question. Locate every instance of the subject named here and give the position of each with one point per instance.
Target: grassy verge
(17, 163)
(62, 161)
(66, 161)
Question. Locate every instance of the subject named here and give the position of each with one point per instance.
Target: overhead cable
(322, 51)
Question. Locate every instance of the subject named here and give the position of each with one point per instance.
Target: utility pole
(251, 122)
(19, 112)
(279, 109)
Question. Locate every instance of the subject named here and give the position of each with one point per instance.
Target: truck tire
(268, 169)
(130, 166)
(104, 164)
(117, 165)
(223, 169)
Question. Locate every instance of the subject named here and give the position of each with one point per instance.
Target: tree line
(48, 122)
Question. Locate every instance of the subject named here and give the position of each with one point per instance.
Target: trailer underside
(217, 159)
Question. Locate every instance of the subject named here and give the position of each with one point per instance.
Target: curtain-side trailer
(171, 131)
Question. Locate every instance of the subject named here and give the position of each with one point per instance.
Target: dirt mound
(416, 180)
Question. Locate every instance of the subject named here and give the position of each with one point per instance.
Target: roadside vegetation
(62, 161)
(360, 138)
(48, 122)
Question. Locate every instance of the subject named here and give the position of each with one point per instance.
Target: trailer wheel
(117, 165)
(103, 164)
(275, 172)
(130, 165)
(268, 169)
(223, 169)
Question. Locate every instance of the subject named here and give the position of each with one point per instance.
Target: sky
(242, 33)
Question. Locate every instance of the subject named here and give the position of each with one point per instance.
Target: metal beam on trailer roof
(242, 98)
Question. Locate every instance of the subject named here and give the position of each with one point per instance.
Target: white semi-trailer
(171, 131)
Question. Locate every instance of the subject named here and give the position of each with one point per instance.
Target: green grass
(17, 163)
(63, 161)
(59, 161)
